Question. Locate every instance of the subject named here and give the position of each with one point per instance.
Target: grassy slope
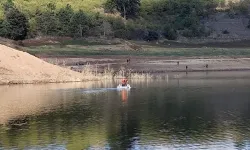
(149, 51)
(30, 6)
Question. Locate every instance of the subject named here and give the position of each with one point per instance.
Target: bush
(16, 24)
(170, 33)
(187, 33)
(137, 34)
(116, 23)
(121, 33)
(136, 30)
(225, 32)
(109, 6)
(4, 29)
(151, 36)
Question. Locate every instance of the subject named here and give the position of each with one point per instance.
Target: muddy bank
(155, 64)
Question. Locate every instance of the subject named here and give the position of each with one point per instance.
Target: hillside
(148, 20)
(30, 6)
(20, 67)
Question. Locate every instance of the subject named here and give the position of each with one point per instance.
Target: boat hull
(123, 87)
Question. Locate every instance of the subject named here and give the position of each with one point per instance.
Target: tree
(16, 24)
(4, 29)
(170, 33)
(79, 24)
(47, 23)
(110, 6)
(8, 5)
(107, 29)
(127, 8)
(64, 16)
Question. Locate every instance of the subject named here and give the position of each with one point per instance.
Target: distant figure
(186, 67)
(178, 63)
(206, 65)
(128, 60)
(124, 82)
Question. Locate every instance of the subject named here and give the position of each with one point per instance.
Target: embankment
(20, 67)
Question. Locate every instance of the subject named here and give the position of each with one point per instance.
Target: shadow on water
(181, 113)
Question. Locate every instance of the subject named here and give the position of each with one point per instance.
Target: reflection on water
(185, 113)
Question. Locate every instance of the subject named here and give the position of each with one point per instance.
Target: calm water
(208, 111)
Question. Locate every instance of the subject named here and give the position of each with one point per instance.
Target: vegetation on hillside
(128, 19)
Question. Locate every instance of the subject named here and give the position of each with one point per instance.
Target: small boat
(123, 87)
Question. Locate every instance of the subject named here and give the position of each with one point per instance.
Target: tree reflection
(187, 113)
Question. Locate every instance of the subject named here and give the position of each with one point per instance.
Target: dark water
(188, 113)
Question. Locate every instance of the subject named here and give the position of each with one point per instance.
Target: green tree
(127, 8)
(4, 29)
(170, 33)
(109, 6)
(79, 24)
(64, 15)
(47, 22)
(16, 24)
(8, 5)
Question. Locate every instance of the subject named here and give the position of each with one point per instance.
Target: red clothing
(124, 81)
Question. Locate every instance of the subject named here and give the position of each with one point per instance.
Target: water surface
(197, 111)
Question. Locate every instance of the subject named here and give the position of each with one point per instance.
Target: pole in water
(96, 69)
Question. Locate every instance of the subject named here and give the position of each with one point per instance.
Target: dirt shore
(155, 64)
(20, 67)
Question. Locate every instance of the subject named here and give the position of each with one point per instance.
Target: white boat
(123, 87)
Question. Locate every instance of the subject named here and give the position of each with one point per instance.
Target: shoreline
(154, 64)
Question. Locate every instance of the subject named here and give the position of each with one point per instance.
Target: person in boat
(124, 82)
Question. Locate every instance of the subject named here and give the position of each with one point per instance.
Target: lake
(187, 111)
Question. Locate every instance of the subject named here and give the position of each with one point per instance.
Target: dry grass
(90, 72)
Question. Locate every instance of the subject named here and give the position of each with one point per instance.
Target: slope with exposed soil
(21, 67)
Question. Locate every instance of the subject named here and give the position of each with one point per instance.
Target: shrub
(170, 33)
(151, 36)
(16, 24)
(187, 33)
(225, 32)
(4, 29)
(116, 23)
(137, 34)
(121, 33)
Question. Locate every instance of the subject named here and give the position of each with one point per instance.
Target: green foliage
(121, 33)
(4, 28)
(109, 6)
(127, 8)
(8, 5)
(151, 36)
(79, 24)
(181, 15)
(15, 25)
(141, 19)
(169, 32)
(64, 17)
(116, 23)
(136, 30)
(47, 23)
